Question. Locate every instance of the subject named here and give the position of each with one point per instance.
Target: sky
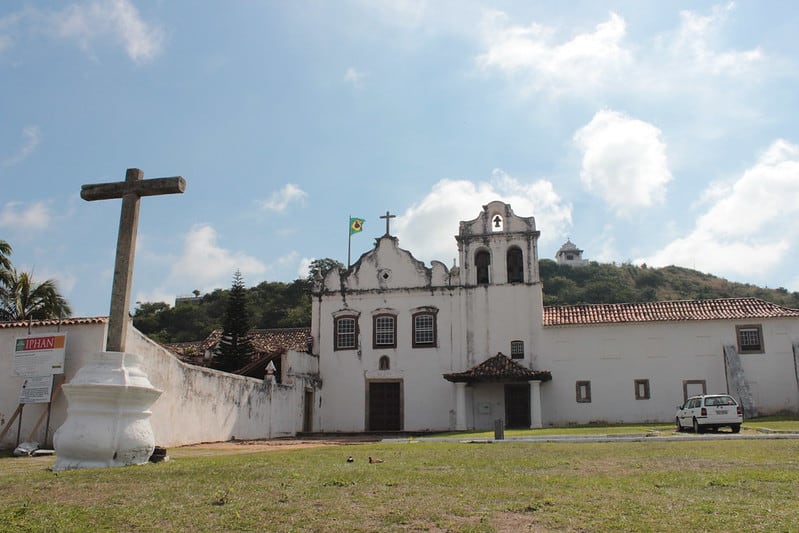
(664, 133)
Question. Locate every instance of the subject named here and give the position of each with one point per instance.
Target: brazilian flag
(356, 225)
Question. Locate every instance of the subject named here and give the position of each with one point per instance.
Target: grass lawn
(712, 485)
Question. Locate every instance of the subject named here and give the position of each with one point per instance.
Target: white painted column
(535, 404)
(460, 406)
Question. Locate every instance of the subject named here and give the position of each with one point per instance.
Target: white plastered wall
(197, 405)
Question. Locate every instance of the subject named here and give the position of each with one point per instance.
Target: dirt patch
(247, 446)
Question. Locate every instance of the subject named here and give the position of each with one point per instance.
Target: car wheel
(735, 428)
(697, 427)
(679, 427)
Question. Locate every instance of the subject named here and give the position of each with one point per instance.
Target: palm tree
(5, 251)
(23, 299)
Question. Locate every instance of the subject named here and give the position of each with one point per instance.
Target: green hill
(610, 283)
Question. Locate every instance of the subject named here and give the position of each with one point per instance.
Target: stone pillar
(460, 406)
(108, 415)
(535, 404)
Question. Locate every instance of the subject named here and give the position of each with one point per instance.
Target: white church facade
(406, 347)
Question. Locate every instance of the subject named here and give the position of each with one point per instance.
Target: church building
(403, 346)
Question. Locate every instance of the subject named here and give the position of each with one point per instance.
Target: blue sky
(657, 132)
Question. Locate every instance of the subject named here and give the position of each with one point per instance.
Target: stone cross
(130, 190)
(388, 216)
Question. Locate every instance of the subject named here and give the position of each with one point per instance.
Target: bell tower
(502, 302)
(498, 247)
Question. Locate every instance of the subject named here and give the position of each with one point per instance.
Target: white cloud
(689, 62)
(31, 136)
(624, 161)
(304, 267)
(428, 227)
(354, 76)
(115, 19)
(749, 230)
(203, 263)
(580, 63)
(16, 216)
(693, 44)
(281, 199)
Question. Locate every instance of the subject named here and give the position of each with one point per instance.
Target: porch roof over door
(498, 369)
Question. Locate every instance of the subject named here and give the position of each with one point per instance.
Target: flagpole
(349, 241)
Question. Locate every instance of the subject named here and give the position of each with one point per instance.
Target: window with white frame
(750, 338)
(424, 329)
(385, 331)
(517, 349)
(344, 333)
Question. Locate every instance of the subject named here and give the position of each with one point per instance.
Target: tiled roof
(55, 322)
(681, 310)
(265, 341)
(498, 368)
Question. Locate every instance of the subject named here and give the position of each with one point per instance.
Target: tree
(21, 298)
(235, 347)
(320, 268)
(5, 251)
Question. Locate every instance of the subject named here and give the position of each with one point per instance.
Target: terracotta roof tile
(498, 368)
(681, 310)
(55, 322)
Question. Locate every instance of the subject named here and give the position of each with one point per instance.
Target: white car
(710, 411)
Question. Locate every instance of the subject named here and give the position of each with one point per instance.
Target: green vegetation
(284, 305)
(21, 298)
(692, 485)
(610, 283)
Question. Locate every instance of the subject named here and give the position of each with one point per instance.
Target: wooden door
(517, 406)
(385, 406)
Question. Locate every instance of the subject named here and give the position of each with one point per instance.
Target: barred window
(641, 389)
(344, 333)
(424, 330)
(385, 331)
(750, 339)
(517, 349)
(583, 389)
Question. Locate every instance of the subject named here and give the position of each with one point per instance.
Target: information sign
(40, 355)
(36, 389)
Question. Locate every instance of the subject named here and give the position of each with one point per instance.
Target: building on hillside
(569, 254)
(404, 346)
